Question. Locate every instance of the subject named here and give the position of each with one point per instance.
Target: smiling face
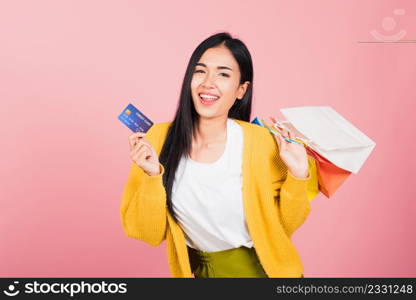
(215, 84)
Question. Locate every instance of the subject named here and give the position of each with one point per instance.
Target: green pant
(234, 263)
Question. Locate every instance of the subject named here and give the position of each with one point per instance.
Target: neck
(210, 131)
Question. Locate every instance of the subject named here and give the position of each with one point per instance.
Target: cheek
(195, 82)
(228, 88)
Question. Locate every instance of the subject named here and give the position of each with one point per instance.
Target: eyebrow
(219, 67)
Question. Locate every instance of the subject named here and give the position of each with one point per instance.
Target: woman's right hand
(143, 154)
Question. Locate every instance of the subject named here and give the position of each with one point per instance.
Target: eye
(225, 74)
(199, 71)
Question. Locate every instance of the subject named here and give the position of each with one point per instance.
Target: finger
(284, 132)
(136, 135)
(288, 134)
(139, 133)
(137, 149)
(278, 140)
(273, 119)
(147, 149)
(140, 155)
(283, 142)
(276, 124)
(134, 143)
(131, 143)
(133, 137)
(141, 141)
(147, 152)
(138, 152)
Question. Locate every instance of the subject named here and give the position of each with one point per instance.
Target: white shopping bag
(329, 134)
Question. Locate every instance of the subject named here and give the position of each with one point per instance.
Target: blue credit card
(135, 119)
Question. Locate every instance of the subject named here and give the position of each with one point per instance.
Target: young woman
(224, 193)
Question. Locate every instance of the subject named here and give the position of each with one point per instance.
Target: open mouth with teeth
(207, 99)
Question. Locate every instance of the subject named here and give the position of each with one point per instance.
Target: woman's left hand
(293, 155)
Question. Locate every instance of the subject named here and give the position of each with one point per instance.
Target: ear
(242, 90)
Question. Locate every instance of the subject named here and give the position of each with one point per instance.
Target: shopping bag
(330, 176)
(330, 135)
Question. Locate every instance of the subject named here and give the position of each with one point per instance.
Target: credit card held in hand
(134, 119)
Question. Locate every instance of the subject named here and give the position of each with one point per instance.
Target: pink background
(68, 69)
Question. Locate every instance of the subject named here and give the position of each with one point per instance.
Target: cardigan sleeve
(143, 204)
(290, 192)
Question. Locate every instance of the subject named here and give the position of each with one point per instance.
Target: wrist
(300, 173)
(153, 174)
(157, 173)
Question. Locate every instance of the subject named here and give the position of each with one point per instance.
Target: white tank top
(207, 198)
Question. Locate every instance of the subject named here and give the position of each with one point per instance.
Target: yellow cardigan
(275, 204)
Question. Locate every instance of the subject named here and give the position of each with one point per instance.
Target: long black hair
(178, 141)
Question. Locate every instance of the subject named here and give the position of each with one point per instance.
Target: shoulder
(259, 135)
(158, 128)
(252, 128)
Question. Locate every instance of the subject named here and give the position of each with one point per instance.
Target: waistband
(204, 256)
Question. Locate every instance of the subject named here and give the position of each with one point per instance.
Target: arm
(293, 194)
(143, 205)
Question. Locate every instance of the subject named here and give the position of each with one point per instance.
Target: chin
(204, 114)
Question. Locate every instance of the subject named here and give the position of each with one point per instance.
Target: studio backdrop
(68, 69)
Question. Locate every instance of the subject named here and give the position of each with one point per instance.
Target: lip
(207, 102)
(206, 93)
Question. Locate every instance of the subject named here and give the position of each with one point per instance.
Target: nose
(208, 82)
